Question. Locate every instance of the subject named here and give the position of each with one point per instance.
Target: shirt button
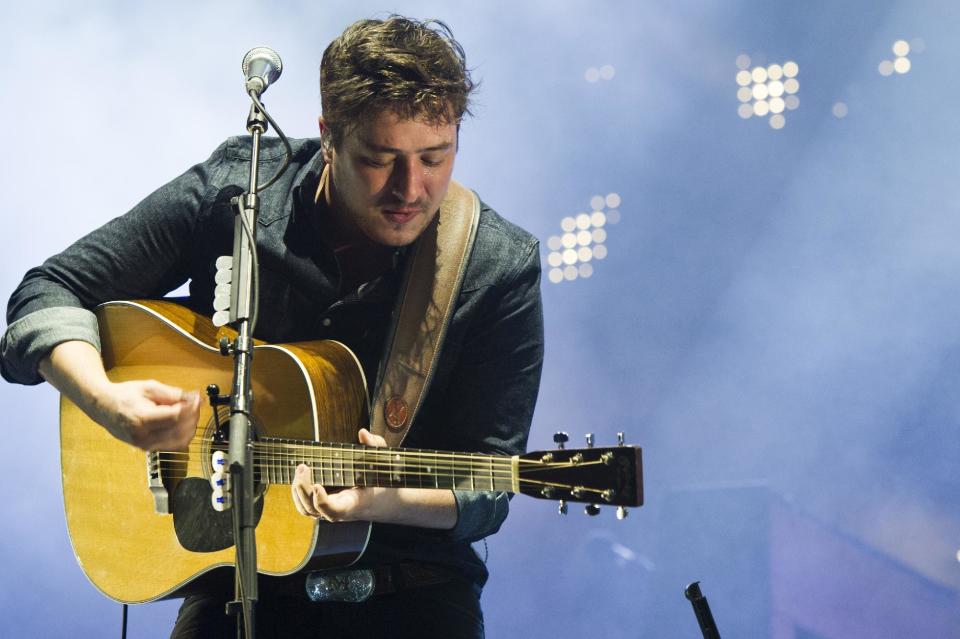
(327, 322)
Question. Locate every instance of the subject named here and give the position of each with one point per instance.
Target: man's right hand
(147, 414)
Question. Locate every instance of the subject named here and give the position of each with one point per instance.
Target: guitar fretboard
(345, 465)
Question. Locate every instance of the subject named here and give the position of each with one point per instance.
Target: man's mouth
(400, 215)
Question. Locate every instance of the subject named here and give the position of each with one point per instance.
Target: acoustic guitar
(142, 524)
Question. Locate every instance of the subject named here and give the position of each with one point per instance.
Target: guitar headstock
(597, 476)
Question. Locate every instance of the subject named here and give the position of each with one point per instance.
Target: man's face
(389, 175)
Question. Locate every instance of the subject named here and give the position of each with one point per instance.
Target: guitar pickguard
(198, 526)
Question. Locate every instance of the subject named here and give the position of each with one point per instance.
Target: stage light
(901, 48)
(840, 110)
(582, 240)
(901, 63)
(606, 72)
(767, 91)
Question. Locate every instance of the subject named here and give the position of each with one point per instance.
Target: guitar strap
(431, 285)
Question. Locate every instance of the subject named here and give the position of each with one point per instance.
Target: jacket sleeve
(136, 255)
(494, 388)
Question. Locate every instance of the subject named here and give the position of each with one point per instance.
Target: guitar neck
(344, 465)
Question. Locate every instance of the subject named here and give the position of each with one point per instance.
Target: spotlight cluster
(900, 63)
(767, 91)
(606, 72)
(572, 254)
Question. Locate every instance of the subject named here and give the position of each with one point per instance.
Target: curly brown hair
(413, 68)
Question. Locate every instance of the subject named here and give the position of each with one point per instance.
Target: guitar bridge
(161, 498)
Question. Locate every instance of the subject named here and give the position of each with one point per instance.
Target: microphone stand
(241, 397)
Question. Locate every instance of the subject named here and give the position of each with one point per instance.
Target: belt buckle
(342, 586)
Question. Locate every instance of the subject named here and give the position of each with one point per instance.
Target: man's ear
(326, 140)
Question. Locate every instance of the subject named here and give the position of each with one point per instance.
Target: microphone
(262, 67)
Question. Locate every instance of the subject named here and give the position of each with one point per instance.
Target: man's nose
(407, 183)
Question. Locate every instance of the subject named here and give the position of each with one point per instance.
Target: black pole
(702, 609)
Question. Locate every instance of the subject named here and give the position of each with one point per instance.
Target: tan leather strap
(429, 294)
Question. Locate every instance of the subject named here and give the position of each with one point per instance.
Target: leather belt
(358, 585)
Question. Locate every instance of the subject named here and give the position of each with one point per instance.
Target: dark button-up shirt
(485, 384)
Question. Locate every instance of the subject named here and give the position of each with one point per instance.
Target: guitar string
(368, 461)
(405, 472)
(521, 481)
(381, 460)
(296, 450)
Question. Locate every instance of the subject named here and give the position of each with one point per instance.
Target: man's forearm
(423, 507)
(76, 370)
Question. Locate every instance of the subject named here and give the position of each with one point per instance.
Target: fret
(492, 475)
(271, 465)
(396, 470)
(352, 467)
(336, 468)
(326, 468)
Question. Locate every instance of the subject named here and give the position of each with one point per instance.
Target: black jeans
(450, 611)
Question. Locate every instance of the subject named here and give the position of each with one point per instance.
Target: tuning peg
(562, 509)
(619, 439)
(621, 513)
(560, 438)
(592, 509)
(589, 440)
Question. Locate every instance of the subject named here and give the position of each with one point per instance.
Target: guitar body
(133, 553)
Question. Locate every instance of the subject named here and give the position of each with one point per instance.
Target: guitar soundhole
(208, 445)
